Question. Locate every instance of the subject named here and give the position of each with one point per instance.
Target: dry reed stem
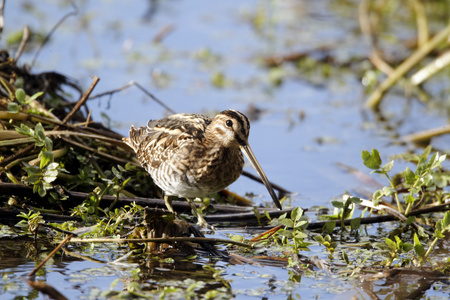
(375, 98)
(161, 240)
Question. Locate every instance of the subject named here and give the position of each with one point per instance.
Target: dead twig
(422, 24)
(50, 33)
(382, 219)
(129, 84)
(375, 98)
(277, 60)
(432, 68)
(25, 37)
(376, 57)
(21, 140)
(9, 215)
(229, 212)
(243, 217)
(102, 154)
(33, 272)
(2, 17)
(425, 135)
(163, 33)
(162, 240)
(80, 102)
(17, 155)
(266, 234)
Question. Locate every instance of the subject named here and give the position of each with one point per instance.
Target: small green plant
(328, 242)
(373, 161)
(394, 248)
(21, 97)
(43, 175)
(293, 235)
(217, 275)
(442, 226)
(426, 178)
(420, 186)
(119, 218)
(32, 220)
(344, 210)
(112, 186)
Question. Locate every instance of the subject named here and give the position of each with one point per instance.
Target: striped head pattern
(230, 128)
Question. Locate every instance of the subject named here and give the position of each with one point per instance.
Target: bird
(193, 155)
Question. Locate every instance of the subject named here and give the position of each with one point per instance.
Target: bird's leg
(168, 202)
(200, 220)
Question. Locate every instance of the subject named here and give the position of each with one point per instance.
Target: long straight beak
(251, 157)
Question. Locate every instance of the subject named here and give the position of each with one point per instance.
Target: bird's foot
(200, 220)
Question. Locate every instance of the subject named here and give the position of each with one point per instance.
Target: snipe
(192, 155)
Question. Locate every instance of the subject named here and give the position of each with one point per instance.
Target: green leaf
(46, 158)
(115, 171)
(319, 239)
(39, 135)
(355, 223)
(432, 160)
(329, 227)
(426, 153)
(32, 179)
(51, 172)
(237, 238)
(387, 167)
(300, 224)
(410, 177)
(439, 225)
(24, 129)
(446, 221)
(218, 80)
(345, 257)
(410, 219)
(48, 144)
(418, 246)
(421, 232)
(407, 247)
(390, 243)
(287, 222)
(20, 96)
(41, 190)
(355, 200)
(296, 213)
(409, 199)
(438, 162)
(438, 234)
(372, 161)
(388, 191)
(13, 107)
(299, 235)
(398, 241)
(376, 197)
(337, 204)
(428, 180)
(286, 233)
(31, 170)
(33, 97)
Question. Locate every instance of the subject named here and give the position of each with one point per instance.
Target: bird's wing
(155, 143)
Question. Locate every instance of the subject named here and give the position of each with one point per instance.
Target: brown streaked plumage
(192, 155)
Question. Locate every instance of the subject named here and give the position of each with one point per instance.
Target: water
(309, 123)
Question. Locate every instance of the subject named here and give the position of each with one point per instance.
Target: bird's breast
(197, 172)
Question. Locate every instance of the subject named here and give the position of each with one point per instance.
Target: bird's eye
(229, 123)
